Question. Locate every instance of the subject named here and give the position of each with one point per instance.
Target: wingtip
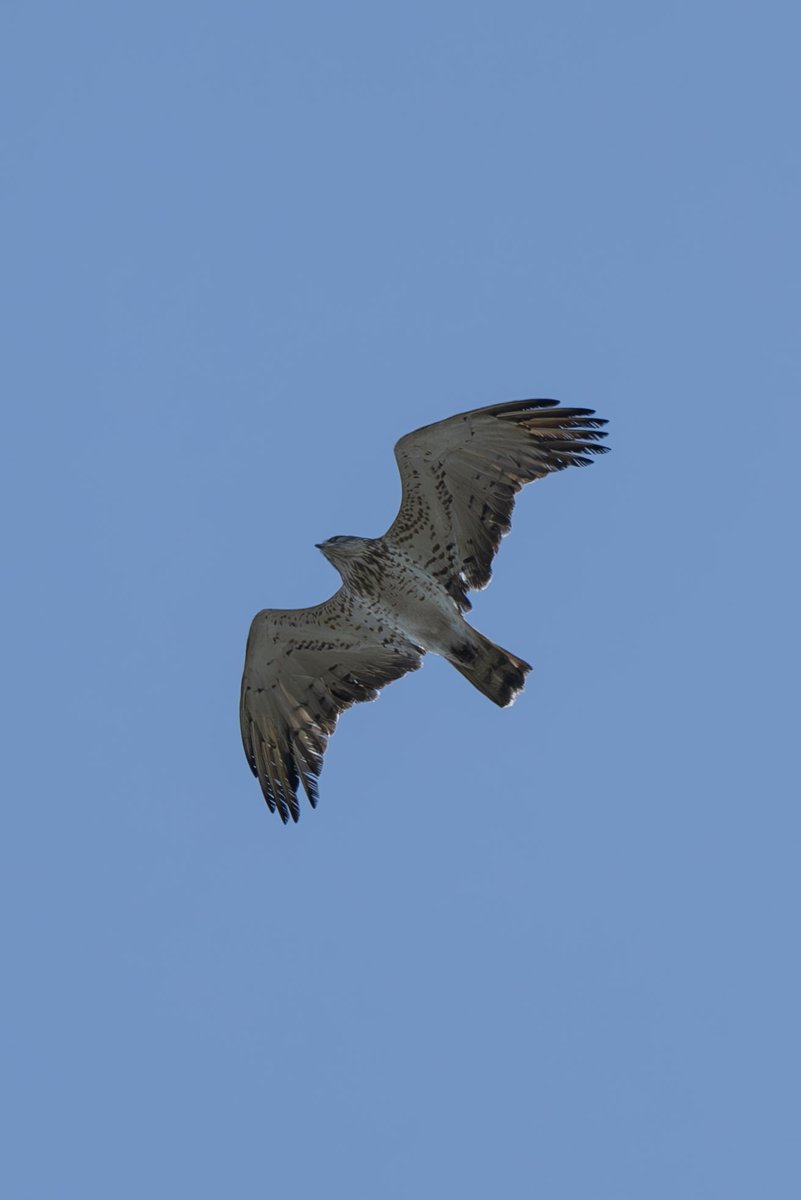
(520, 405)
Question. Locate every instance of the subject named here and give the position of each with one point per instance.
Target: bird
(404, 594)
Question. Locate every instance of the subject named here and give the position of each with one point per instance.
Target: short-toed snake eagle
(405, 593)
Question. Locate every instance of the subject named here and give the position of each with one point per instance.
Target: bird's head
(341, 550)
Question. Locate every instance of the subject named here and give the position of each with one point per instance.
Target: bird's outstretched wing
(460, 477)
(303, 667)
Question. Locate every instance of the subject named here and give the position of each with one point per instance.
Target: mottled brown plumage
(405, 593)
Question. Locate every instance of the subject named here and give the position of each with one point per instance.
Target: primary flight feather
(405, 593)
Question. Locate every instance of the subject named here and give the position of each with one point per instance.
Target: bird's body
(400, 593)
(403, 594)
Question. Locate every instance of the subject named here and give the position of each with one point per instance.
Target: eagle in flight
(405, 593)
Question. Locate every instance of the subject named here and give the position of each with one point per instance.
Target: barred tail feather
(496, 673)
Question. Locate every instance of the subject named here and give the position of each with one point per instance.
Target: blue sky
(549, 951)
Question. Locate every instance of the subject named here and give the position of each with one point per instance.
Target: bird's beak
(318, 545)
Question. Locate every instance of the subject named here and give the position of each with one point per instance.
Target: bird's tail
(493, 670)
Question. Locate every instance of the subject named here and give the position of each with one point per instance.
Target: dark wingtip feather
(312, 791)
(520, 406)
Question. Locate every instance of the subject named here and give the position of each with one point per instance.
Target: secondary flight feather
(403, 594)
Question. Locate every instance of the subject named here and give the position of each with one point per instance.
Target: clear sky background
(550, 951)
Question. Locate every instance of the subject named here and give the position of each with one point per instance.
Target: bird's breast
(408, 597)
